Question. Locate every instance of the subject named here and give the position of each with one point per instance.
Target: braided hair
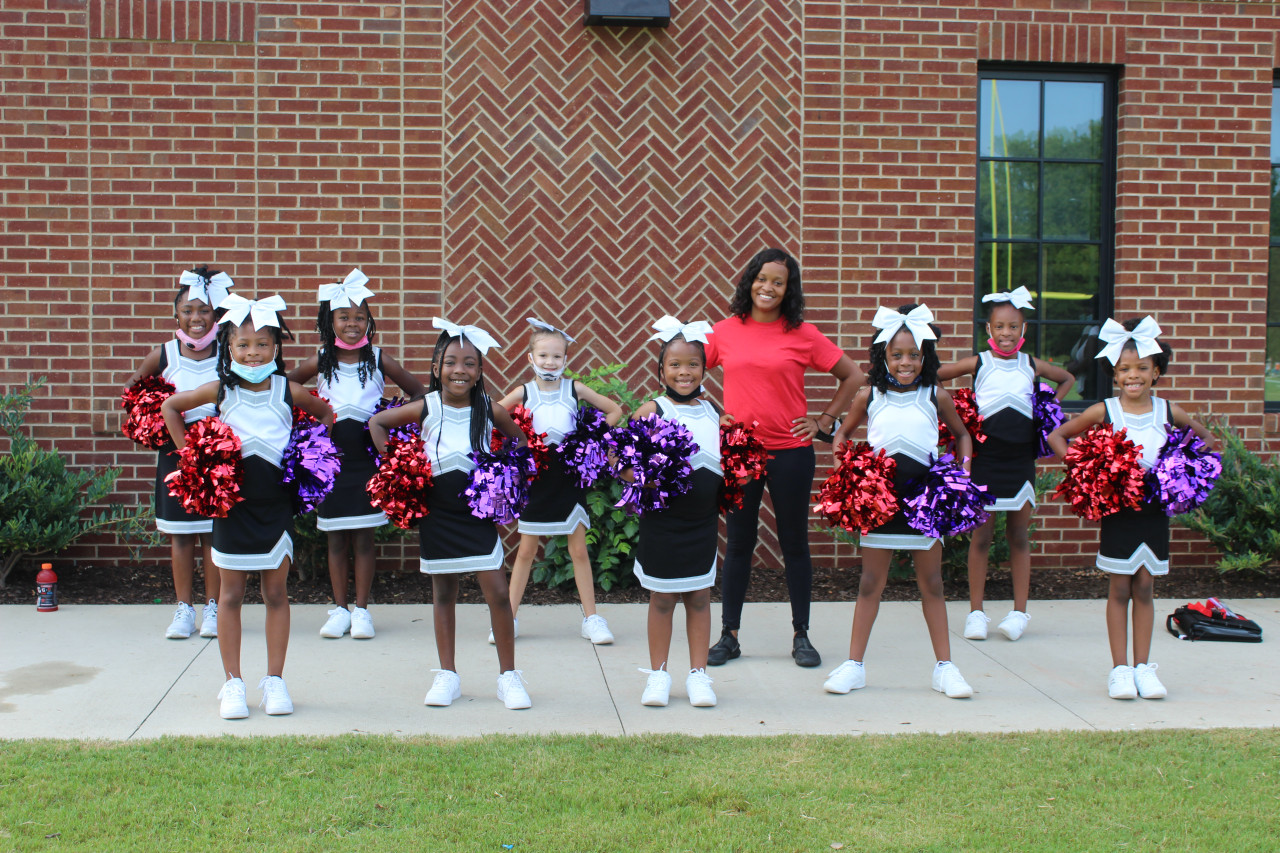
(228, 379)
(878, 375)
(792, 300)
(481, 406)
(327, 360)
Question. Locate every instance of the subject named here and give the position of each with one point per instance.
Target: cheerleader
(351, 375)
(1133, 544)
(458, 418)
(254, 398)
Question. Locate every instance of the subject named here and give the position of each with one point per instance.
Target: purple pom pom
(312, 461)
(1047, 413)
(945, 501)
(585, 450)
(409, 431)
(1184, 473)
(658, 452)
(499, 487)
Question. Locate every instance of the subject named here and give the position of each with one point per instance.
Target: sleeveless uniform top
(704, 422)
(446, 432)
(905, 423)
(1146, 430)
(1005, 385)
(262, 419)
(349, 399)
(187, 374)
(553, 411)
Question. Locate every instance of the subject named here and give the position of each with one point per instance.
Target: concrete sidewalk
(107, 672)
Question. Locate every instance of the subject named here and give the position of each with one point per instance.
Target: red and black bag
(1212, 621)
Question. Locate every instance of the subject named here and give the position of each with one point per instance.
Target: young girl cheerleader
(901, 408)
(555, 499)
(1134, 544)
(352, 374)
(187, 362)
(457, 418)
(253, 397)
(675, 556)
(1004, 385)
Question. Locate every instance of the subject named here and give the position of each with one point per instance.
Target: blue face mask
(253, 375)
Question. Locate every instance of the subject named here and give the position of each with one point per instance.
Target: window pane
(1275, 129)
(1073, 120)
(1005, 266)
(1008, 200)
(1074, 347)
(1072, 274)
(1272, 394)
(1273, 286)
(1275, 200)
(1073, 201)
(1009, 118)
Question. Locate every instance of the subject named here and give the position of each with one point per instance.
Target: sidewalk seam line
(1023, 679)
(169, 689)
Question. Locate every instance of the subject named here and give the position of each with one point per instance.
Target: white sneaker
(361, 624)
(183, 624)
(511, 690)
(209, 619)
(338, 623)
(595, 629)
(1148, 686)
(1014, 624)
(698, 686)
(947, 679)
(849, 675)
(275, 696)
(1120, 683)
(657, 690)
(446, 688)
(514, 633)
(975, 626)
(232, 695)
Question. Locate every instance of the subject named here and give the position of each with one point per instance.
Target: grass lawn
(1145, 790)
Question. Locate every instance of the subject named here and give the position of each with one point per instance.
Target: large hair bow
(263, 311)
(668, 327)
(211, 291)
(1116, 336)
(1021, 297)
(476, 336)
(889, 321)
(547, 327)
(349, 292)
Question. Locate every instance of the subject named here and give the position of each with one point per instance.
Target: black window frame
(1273, 245)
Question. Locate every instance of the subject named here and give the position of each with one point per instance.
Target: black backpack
(1187, 624)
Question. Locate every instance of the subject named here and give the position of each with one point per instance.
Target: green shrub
(311, 546)
(42, 503)
(1241, 518)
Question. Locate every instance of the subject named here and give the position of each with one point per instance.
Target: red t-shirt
(764, 367)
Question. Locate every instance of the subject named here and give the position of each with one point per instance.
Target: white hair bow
(263, 311)
(1116, 336)
(889, 321)
(668, 327)
(210, 291)
(547, 327)
(1021, 297)
(477, 336)
(349, 292)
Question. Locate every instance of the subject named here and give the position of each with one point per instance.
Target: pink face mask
(341, 344)
(991, 342)
(198, 343)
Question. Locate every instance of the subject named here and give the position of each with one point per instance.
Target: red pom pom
(144, 423)
(400, 487)
(967, 409)
(497, 441)
(305, 419)
(1103, 474)
(859, 493)
(537, 440)
(210, 470)
(742, 458)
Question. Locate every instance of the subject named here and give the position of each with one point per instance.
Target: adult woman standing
(766, 348)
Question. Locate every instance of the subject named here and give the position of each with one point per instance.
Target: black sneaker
(803, 651)
(725, 650)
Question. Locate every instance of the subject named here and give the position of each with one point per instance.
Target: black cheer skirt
(895, 534)
(676, 548)
(452, 540)
(257, 533)
(1008, 470)
(1131, 539)
(555, 503)
(347, 507)
(171, 518)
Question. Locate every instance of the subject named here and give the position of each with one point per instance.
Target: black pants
(789, 475)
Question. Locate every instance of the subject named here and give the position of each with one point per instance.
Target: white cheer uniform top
(446, 432)
(905, 423)
(346, 396)
(262, 419)
(1004, 383)
(188, 374)
(703, 422)
(553, 411)
(1147, 430)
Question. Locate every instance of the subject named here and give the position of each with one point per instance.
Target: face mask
(253, 375)
(991, 342)
(549, 375)
(683, 398)
(198, 343)
(341, 344)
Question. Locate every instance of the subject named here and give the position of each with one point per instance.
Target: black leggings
(790, 477)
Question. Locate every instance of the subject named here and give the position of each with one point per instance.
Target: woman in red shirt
(765, 349)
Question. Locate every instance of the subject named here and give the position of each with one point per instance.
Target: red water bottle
(46, 589)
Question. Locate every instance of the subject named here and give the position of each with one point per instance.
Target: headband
(476, 336)
(1021, 298)
(547, 327)
(668, 327)
(349, 292)
(1116, 336)
(263, 311)
(917, 322)
(210, 291)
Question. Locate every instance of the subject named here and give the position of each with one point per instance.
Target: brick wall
(495, 160)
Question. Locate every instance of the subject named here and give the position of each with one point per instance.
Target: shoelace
(442, 676)
(270, 686)
(231, 685)
(519, 676)
(700, 676)
(652, 672)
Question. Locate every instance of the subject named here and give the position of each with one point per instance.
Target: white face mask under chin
(548, 375)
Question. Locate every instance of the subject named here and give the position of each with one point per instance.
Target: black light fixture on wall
(627, 13)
